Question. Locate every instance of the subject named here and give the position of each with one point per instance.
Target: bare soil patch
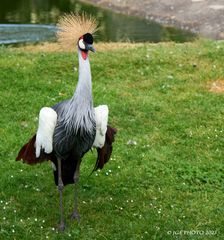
(217, 86)
(55, 47)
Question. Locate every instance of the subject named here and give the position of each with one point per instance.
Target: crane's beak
(90, 48)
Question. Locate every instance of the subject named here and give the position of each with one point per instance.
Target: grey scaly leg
(60, 189)
(75, 214)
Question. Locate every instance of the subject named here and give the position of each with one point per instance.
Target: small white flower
(15, 211)
(118, 167)
(43, 221)
(107, 173)
(96, 174)
(41, 227)
(53, 229)
(111, 198)
(170, 77)
(110, 170)
(4, 218)
(35, 219)
(11, 176)
(13, 231)
(131, 142)
(21, 220)
(132, 201)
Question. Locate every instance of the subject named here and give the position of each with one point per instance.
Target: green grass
(171, 181)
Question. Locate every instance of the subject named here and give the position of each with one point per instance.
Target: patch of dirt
(217, 86)
(54, 47)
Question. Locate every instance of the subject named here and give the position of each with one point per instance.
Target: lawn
(166, 176)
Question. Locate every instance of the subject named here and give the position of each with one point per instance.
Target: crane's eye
(82, 44)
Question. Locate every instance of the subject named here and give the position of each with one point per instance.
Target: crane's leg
(75, 213)
(60, 189)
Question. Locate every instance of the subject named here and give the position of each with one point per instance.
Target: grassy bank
(159, 96)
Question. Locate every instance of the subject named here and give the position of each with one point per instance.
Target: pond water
(23, 21)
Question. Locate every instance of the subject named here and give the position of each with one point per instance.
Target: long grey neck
(80, 112)
(83, 90)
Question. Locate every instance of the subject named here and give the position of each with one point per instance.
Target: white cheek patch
(81, 44)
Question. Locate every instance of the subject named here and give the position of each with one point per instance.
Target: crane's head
(85, 44)
(76, 29)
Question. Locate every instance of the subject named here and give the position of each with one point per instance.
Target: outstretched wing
(44, 136)
(101, 116)
(105, 152)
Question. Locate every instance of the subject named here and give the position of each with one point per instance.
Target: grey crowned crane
(72, 127)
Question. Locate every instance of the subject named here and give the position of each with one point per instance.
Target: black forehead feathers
(88, 38)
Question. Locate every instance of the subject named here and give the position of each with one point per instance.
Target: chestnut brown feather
(104, 153)
(28, 153)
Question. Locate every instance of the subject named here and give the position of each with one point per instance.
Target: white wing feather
(44, 137)
(101, 114)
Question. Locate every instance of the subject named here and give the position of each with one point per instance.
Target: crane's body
(75, 130)
(76, 118)
(72, 127)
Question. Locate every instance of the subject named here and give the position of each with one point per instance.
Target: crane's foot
(75, 216)
(61, 227)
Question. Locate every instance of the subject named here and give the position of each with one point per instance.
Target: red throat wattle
(84, 54)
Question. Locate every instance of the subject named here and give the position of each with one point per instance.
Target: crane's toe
(75, 216)
(61, 227)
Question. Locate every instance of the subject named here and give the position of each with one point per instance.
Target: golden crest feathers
(72, 26)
